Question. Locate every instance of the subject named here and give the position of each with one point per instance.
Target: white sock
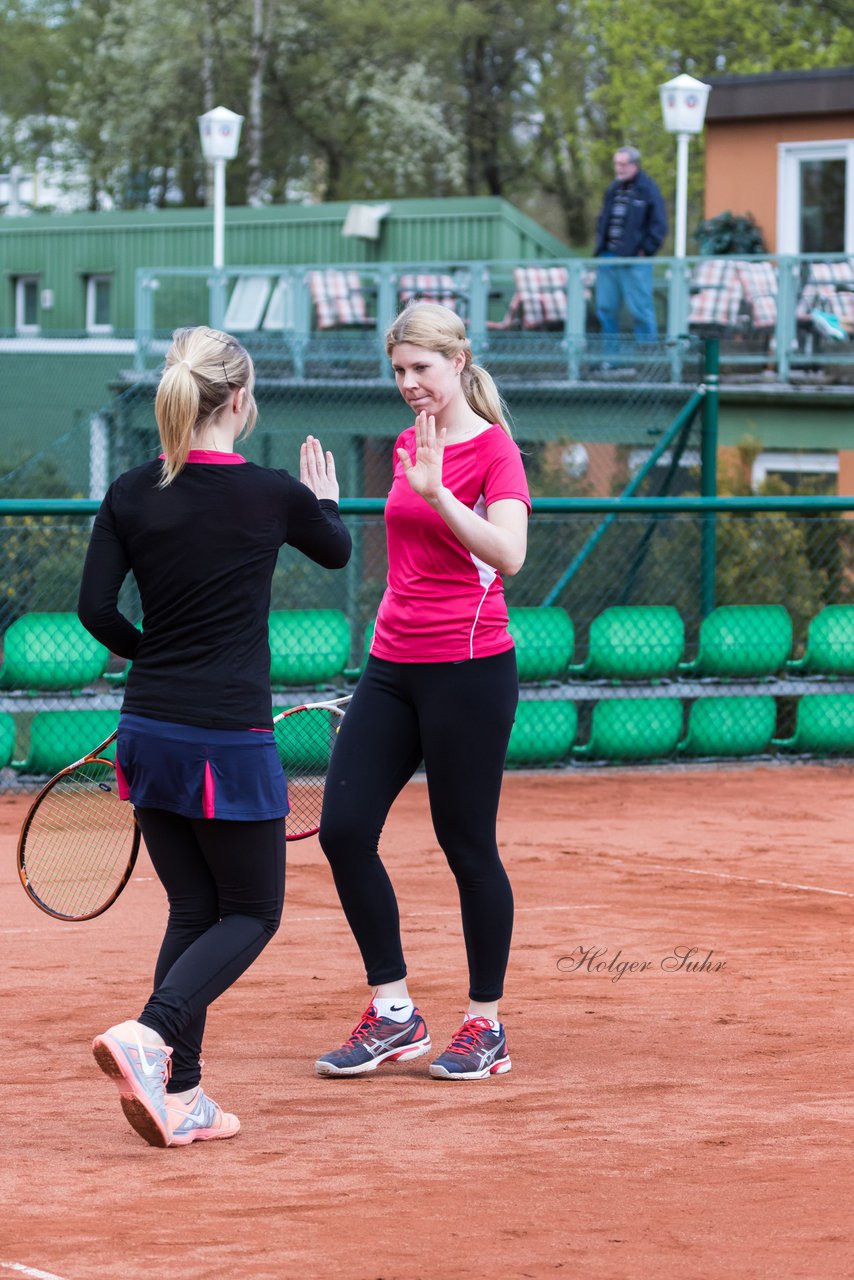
(398, 1008)
(494, 1024)
(186, 1096)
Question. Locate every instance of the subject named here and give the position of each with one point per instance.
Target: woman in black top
(200, 529)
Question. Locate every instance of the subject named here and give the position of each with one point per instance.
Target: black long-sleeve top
(202, 551)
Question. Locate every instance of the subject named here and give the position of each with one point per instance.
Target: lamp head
(683, 104)
(219, 130)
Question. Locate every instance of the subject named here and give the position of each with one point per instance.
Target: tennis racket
(79, 842)
(305, 736)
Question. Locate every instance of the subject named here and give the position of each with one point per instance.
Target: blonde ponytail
(483, 396)
(203, 367)
(176, 408)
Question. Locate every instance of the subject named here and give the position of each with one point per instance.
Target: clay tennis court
(666, 1122)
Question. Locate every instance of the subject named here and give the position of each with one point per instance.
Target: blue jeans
(630, 283)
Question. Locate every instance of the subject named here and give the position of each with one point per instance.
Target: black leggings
(225, 882)
(457, 717)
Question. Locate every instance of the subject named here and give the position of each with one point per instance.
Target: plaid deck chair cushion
(759, 284)
(829, 287)
(338, 298)
(540, 295)
(716, 293)
(838, 274)
(824, 297)
(429, 288)
(843, 307)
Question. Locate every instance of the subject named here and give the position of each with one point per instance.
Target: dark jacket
(646, 218)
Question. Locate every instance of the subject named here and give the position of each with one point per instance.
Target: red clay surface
(663, 1124)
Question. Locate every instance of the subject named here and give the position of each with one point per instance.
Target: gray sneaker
(475, 1052)
(375, 1040)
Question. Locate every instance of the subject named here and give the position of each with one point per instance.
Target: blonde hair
(203, 367)
(438, 328)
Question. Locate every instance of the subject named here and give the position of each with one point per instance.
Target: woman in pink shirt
(440, 686)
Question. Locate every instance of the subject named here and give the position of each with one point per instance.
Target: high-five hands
(425, 473)
(317, 469)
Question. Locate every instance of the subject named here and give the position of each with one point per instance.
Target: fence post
(786, 333)
(576, 317)
(709, 474)
(144, 285)
(478, 301)
(217, 286)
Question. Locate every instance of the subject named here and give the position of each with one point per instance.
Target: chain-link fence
(586, 435)
(660, 632)
(653, 626)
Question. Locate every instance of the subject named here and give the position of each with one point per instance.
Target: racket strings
(304, 740)
(78, 841)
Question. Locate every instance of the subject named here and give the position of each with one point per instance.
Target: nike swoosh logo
(197, 1117)
(396, 1008)
(143, 1061)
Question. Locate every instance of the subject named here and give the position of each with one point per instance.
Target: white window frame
(789, 157)
(21, 283)
(639, 457)
(91, 285)
(775, 463)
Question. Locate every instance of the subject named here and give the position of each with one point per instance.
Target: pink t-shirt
(443, 604)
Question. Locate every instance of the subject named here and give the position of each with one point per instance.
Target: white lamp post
(683, 105)
(220, 134)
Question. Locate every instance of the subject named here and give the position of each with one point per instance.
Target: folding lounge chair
(759, 285)
(826, 303)
(429, 287)
(714, 303)
(339, 299)
(539, 301)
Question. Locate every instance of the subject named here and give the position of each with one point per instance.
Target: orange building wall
(741, 162)
(604, 471)
(846, 473)
(735, 470)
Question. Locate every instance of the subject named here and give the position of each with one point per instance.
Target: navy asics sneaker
(475, 1052)
(375, 1040)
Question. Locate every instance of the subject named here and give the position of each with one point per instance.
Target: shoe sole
(499, 1068)
(202, 1135)
(138, 1110)
(406, 1054)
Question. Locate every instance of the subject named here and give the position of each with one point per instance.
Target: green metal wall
(47, 396)
(811, 418)
(63, 249)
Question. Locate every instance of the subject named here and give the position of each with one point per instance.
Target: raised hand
(425, 473)
(317, 469)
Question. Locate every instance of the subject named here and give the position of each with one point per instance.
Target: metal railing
(790, 317)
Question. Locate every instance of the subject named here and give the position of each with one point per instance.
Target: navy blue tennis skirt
(200, 773)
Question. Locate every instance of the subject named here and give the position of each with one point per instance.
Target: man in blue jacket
(632, 224)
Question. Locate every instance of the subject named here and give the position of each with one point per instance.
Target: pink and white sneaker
(198, 1120)
(140, 1072)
